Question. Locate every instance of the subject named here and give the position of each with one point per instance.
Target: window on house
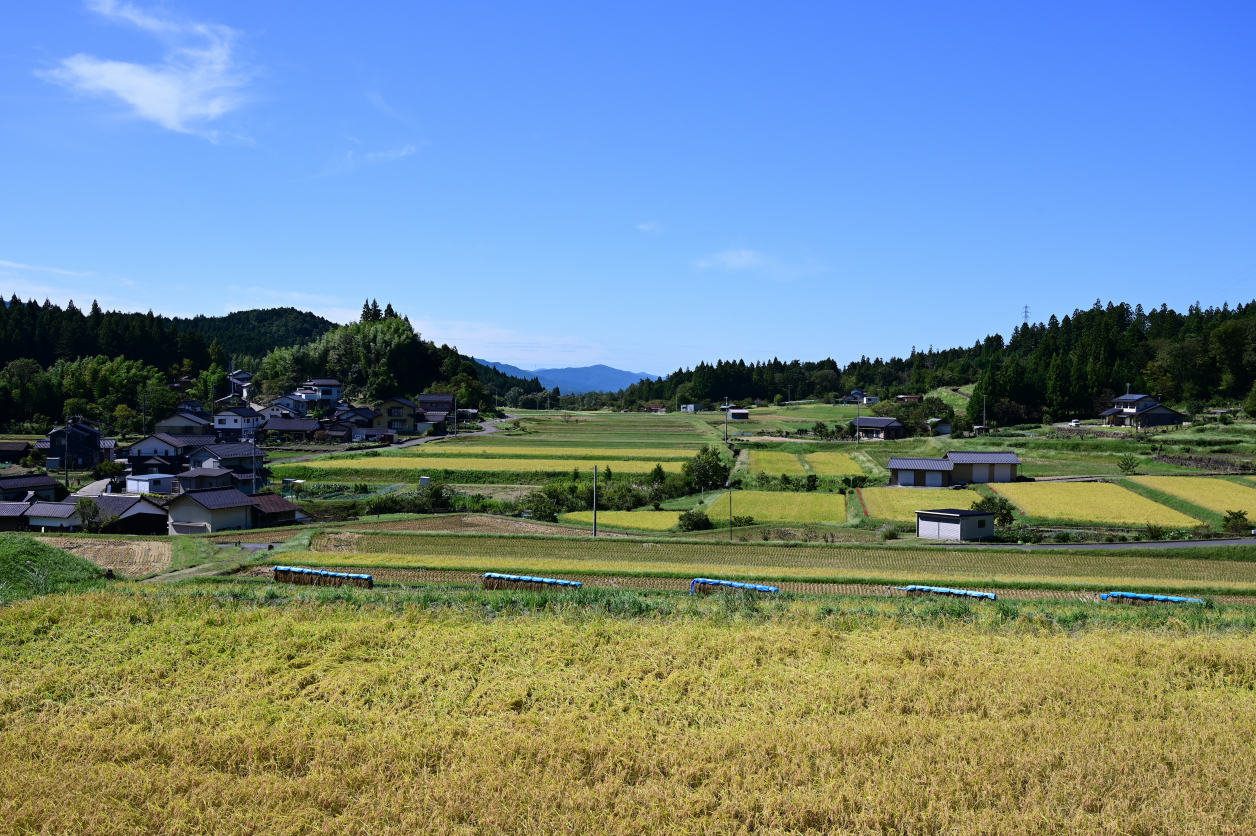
(394, 411)
(981, 523)
(222, 420)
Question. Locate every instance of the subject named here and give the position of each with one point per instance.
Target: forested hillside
(1063, 368)
(114, 368)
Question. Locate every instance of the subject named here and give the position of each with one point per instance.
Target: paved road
(1158, 544)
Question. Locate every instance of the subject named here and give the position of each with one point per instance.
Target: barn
(954, 524)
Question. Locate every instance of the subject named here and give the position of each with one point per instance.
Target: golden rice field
(641, 520)
(1101, 502)
(1217, 495)
(833, 464)
(151, 712)
(903, 503)
(774, 463)
(543, 452)
(523, 465)
(783, 506)
(758, 560)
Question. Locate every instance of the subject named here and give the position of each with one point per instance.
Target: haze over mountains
(577, 381)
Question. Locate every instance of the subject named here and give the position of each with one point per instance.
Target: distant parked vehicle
(1074, 423)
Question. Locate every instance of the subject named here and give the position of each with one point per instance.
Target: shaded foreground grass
(238, 709)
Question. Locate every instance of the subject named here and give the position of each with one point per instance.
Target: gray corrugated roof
(1149, 407)
(979, 457)
(60, 510)
(182, 441)
(114, 504)
(290, 425)
(232, 450)
(269, 503)
(955, 512)
(217, 498)
(872, 421)
(1131, 398)
(204, 471)
(897, 463)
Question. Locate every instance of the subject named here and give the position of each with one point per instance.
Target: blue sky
(645, 185)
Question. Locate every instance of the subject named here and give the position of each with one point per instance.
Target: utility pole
(455, 415)
(856, 422)
(729, 484)
(983, 411)
(594, 500)
(727, 407)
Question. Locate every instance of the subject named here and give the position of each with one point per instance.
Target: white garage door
(981, 473)
(1002, 473)
(933, 479)
(907, 478)
(948, 531)
(927, 529)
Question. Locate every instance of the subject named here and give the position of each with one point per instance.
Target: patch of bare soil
(129, 558)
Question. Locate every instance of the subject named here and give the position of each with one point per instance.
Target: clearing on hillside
(1098, 502)
(902, 503)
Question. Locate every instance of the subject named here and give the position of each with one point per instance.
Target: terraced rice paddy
(833, 464)
(768, 562)
(1097, 502)
(783, 506)
(1218, 495)
(775, 463)
(903, 503)
(640, 520)
(497, 451)
(485, 465)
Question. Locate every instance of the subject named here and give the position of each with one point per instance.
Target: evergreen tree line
(1063, 368)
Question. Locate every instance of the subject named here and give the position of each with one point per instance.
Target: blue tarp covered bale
(496, 580)
(946, 590)
(320, 577)
(706, 586)
(1143, 598)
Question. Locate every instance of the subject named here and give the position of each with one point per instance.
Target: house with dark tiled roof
(958, 467)
(216, 509)
(14, 451)
(298, 428)
(272, 510)
(53, 516)
(164, 453)
(246, 462)
(185, 423)
(133, 514)
(13, 515)
(20, 488)
(876, 428)
(1140, 411)
(237, 422)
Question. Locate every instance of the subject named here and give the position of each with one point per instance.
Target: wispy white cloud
(198, 80)
(389, 156)
(761, 263)
(650, 226)
(13, 265)
(731, 260)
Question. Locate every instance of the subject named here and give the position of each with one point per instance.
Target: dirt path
(214, 567)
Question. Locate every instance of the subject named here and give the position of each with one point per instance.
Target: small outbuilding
(159, 483)
(739, 415)
(954, 524)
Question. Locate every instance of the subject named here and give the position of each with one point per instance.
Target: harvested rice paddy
(765, 561)
(902, 503)
(640, 520)
(775, 463)
(557, 452)
(153, 712)
(1101, 502)
(833, 464)
(782, 506)
(1218, 495)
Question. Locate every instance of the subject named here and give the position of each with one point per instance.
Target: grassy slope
(596, 712)
(29, 567)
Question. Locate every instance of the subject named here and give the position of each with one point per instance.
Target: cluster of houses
(200, 470)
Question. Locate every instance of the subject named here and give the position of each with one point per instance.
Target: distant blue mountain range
(576, 381)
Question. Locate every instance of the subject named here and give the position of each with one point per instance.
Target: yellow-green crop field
(1101, 502)
(542, 452)
(640, 520)
(146, 711)
(774, 463)
(783, 506)
(833, 464)
(903, 503)
(1217, 495)
(522, 465)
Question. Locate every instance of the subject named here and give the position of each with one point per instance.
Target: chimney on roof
(1127, 388)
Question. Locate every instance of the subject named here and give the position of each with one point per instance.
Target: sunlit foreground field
(237, 712)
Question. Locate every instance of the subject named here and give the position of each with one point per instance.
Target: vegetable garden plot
(1090, 502)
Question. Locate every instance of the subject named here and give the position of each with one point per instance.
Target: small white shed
(953, 524)
(149, 483)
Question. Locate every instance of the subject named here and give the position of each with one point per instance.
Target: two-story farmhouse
(1140, 411)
